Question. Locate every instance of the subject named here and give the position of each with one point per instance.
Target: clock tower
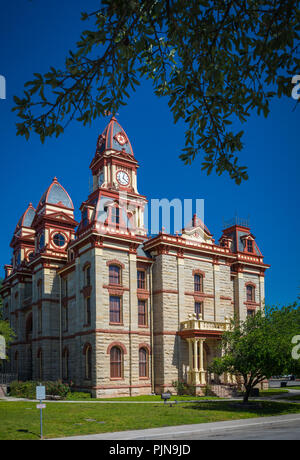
(114, 202)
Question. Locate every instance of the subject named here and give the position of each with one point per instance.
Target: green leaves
(215, 61)
(261, 346)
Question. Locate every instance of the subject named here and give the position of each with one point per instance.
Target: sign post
(41, 395)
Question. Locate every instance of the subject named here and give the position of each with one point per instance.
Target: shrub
(183, 388)
(78, 396)
(28, 389)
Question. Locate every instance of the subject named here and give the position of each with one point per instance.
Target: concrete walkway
(262, 428)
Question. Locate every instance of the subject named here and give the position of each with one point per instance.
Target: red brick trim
(166, 291)
(145, 345)
(200, 295)
(115, 262)
(223, 297)
(198, 272)
(142, 295)
(249, 283)
(116, 344)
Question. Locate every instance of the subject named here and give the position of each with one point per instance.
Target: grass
(20, 420)
(158, 398)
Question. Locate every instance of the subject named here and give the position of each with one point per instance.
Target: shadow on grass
(252, 407)
(29, 432)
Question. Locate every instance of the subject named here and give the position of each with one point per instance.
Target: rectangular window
(115, 215)
(40, 320)
(249, 245)
(65, 287)
(198, 309)
(65, 318)
(88, 276)
(115, 309)
(250, 293)
(114, 274)
(250, 312)
(198, 283)
(141, 279)
(142, 313)
(88, 311)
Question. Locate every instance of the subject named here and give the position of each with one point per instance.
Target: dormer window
(249, 245)
(41, 241)
(85, 220)
(115, 215)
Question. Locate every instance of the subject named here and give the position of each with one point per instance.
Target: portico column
(196, 370)
(201, 370)
(190, 374)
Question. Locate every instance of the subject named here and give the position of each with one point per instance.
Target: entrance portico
(197, 332)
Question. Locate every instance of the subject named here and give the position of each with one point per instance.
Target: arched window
(116, 363)
(114, 274)
(65, 360)
(250, 293)
(88, 362)
(40, 364)
(143, 363)
(198, 283)
(87, 275)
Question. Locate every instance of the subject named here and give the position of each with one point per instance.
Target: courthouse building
(100, 304)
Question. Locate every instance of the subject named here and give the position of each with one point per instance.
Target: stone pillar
(201, 370)
(181, 304)
(132, 310)
(216, 270)
(262, 292)
(190, 374)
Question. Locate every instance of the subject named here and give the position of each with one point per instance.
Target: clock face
(123, 178)
(120, 137)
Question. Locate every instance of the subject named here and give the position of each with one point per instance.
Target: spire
(115, 138)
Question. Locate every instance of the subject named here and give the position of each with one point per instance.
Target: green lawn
(20, 420)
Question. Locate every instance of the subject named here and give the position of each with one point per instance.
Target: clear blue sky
(35, 35)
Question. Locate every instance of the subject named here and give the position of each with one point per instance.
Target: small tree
(5, 329)
(260, 347)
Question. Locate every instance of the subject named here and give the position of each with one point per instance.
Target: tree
(260, 347)
(5, 329)
(215, 60)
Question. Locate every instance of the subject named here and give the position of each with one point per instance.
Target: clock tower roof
(114, 138)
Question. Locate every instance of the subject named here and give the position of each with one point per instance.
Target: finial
(55, 179)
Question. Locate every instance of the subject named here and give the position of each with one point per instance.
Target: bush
(28, 389)
(183, 388)
(78, 396)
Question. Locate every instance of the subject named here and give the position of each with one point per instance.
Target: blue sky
(35, 35)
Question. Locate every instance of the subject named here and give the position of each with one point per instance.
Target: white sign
(41, 406)
(2, 347)
(40, 393)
